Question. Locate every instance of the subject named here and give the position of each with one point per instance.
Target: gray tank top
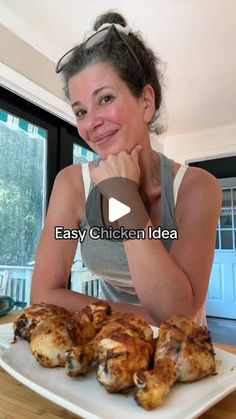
(107, 258)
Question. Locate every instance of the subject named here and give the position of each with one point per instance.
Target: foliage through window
(22, 188)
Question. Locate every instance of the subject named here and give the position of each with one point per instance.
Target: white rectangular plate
(84, 396)
(6, 335)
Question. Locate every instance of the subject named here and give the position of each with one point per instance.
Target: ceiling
(195, 40)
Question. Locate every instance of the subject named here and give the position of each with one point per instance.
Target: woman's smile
(105, 138)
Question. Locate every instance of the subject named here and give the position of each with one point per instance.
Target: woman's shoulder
(197, 177)
(199, 188)
(70, 178)
(70, 171)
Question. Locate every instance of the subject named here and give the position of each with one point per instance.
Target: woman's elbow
(36, 296)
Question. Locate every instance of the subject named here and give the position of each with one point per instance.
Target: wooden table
(19, 402)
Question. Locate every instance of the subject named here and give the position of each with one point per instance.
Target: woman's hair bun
(109, 17)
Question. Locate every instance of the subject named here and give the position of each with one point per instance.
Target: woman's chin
(105, 152)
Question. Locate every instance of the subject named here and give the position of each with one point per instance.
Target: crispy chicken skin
(119, 357)
(189, 346)
(153, 386)
(88, 321)
(184, 353)
(51, 330)
(30, 318)
(80, 358)
(135, 323)
(50, 341)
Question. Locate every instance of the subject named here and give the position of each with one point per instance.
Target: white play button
(117, 209)
(112, 205)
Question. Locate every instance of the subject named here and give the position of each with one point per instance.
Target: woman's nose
(93, 120)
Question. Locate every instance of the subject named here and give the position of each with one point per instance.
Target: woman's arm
(54, 257)
(177, 282)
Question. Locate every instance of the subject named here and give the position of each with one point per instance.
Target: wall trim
(206, 144)
(211, 157)
(208, 133)
(29, 90)
(24, 31)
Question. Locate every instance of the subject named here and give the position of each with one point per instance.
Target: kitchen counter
(19, 402)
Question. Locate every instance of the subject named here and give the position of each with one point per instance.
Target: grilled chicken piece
(188, 350)
(135, 323)
(50, 341)
(80, 358)
(153, 386)
(189, 346)
(119, 357)
(89, 321)
(31, 317)
(51, 330)
(101, 313)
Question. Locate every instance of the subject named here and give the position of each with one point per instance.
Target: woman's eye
(106, 99)
(80, 113)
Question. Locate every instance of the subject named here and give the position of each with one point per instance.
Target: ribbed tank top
(107, 258)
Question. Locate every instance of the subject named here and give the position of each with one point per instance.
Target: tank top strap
(86, 179)
(167, 193)
(177, 181)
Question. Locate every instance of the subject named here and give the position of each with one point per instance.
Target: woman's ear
(149, 103)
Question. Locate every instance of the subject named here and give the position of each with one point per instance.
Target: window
(22, 198)
(226, 231)
(34, 147)
(82, 155)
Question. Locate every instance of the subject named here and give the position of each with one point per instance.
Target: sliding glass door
(34, 147)
(23, 148)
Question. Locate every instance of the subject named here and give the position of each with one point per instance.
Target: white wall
(202, 145)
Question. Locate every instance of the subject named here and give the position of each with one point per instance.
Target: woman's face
(109, 118)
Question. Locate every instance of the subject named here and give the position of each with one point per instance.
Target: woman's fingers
(122, 164)
(135, 153)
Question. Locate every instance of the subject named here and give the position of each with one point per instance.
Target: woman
(113, 85)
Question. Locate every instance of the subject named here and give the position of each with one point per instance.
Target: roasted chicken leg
(189, 346)
(152, 387)
(51, 330)
(119, 357)
(80, 358)
(184, 353)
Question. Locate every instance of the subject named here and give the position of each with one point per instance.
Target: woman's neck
(150, 176)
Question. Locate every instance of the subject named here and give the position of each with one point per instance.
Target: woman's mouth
(105, 138)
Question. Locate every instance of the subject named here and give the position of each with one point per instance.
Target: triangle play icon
(116, 209)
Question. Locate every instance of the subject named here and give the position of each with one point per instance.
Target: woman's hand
(121, 165)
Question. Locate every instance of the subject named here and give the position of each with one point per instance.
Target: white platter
(6, 335)
(86, 397)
